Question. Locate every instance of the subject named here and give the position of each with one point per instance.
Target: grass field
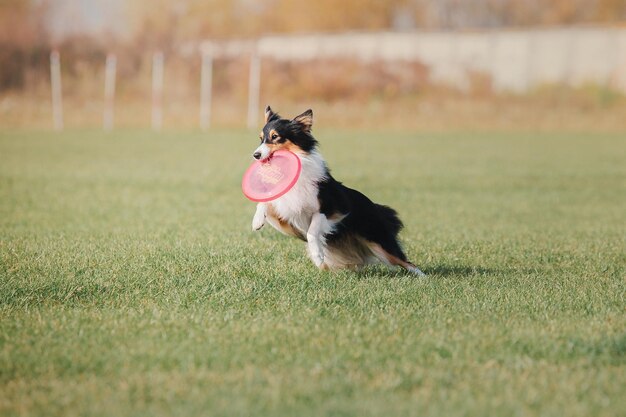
(132, 285)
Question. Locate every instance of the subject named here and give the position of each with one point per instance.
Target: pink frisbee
(268, 180)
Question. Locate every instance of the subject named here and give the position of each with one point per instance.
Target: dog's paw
(258, 222)
(415, 270)
(317, 258)
(259, 216)
(324, 267)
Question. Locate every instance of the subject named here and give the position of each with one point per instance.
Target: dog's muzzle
(262, 152)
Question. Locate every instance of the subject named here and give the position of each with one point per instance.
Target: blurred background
(406, 64)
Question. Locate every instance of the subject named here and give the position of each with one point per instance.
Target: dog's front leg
(315, 242)
(259, 216)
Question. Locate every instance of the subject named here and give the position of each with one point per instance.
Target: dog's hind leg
(315, 239)
(391, 259)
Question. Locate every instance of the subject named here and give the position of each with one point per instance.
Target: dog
(342, 227)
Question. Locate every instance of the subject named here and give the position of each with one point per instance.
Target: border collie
(342, 227)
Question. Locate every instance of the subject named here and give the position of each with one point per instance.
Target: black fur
(374, 222)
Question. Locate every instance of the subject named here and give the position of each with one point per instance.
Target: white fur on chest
(299, 204)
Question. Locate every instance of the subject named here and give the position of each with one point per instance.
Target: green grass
(132, 285)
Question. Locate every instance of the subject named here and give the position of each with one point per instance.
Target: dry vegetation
(345, 94)
(350, 93)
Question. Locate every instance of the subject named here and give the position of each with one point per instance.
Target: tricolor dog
(342, 227)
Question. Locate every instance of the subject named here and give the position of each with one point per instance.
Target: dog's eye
(274, 136)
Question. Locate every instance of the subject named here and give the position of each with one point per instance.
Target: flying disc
(270, 179)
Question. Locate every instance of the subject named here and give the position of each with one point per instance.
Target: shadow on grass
(440, 271)
(464, 270)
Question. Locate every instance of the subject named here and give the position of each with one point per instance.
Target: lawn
(131, 283)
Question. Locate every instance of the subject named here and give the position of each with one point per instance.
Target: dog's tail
(389, 218)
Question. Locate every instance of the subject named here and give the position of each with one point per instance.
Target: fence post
(109, 91)
(57, 99)
(493, 54)
(569, 67)
(529, 81)
(157, 91)
(613, 65)
(206, 75)
(254, 89)
(619, 76)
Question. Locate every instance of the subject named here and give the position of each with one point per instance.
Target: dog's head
(293, 135)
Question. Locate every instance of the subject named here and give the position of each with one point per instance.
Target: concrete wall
(516, 60)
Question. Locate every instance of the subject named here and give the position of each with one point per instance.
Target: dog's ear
(270, 115)
(305, 120)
